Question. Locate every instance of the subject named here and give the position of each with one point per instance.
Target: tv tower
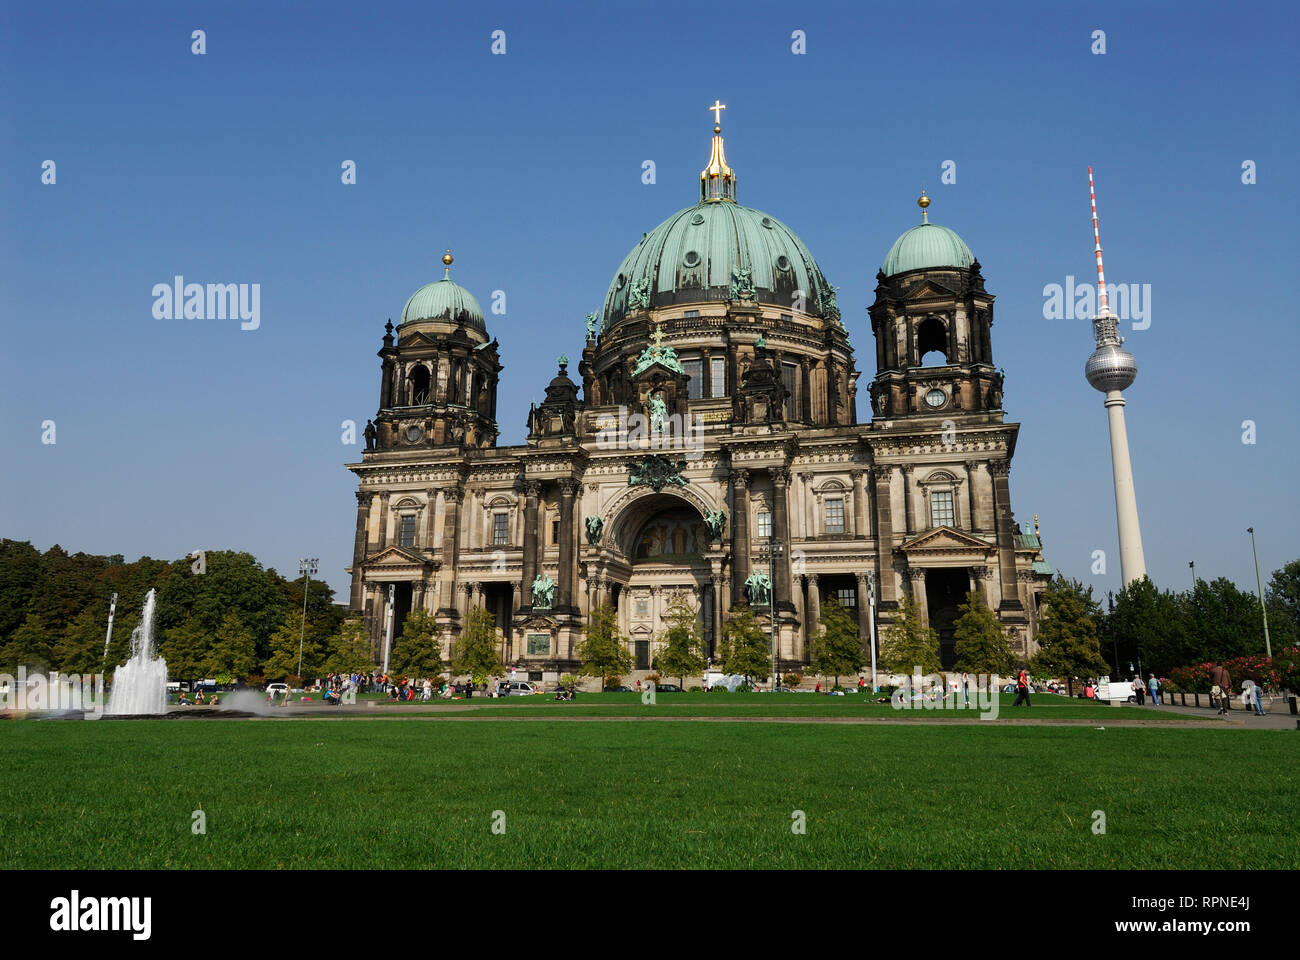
(1112, 369)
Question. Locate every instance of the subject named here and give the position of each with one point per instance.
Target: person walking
(965, 689)
(1154, 686)
(1256, 691)
(1022, 688)
(1222, 687)
(1140, 691)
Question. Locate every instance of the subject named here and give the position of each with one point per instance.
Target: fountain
(140, 684)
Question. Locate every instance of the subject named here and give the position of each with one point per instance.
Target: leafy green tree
(475, 650)
(908, 643)
(283, 659)
(351, 652)
(233, 651)
(81, 648)
(20, 578)
(1220, 622)
(980, 641)
(186, 648)
(1147, 626)
(31, 645)
(682, 653)
(418, 651)
(1069, 645)
(1282, 597)
(836, 648)
(746, 647)
(604, 649)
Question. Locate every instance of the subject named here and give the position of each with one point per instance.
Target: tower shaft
(1132, 563)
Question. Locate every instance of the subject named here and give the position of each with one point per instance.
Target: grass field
(393, 793)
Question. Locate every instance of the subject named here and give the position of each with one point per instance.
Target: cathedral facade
(709, 451)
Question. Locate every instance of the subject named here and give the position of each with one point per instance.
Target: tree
(746, 647)
(351, 652)
(604, 650)
(683, 644)
(282, 661)
(836, 648)
(1282, 598)
(81, 648)
(418, 651)
(234, 651)
(910, 644)
(1220, 622)
(981, 643)
(476, 651)
(30, 645)
(186, 648)
(1067, 633)
(20, 577)
(1147, 627)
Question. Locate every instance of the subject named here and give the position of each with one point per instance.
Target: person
(1257, 692)
(1154, 686)
(1222, 687)
(1140, 691)
(965, 689)
(1246, 694)
(819, 687)
(198, 699)
(1088, 692)
(1022, 688)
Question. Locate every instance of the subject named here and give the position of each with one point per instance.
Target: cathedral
(709, 451)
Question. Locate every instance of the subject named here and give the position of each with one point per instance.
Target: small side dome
(445, 300)
(927, 246)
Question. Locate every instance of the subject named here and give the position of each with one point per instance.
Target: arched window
(419, 386)
(931, 338)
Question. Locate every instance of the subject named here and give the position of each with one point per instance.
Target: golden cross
(658, 337)
(717, 108)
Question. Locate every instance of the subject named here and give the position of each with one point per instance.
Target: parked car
(515, 688)
(667, 688)
(278, 689)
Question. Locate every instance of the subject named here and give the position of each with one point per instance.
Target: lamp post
(1268, 647)
(871, 628)
(306, 566)
(774, 551)
(1192, 564)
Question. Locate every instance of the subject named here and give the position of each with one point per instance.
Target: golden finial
(447, 259)
(1035, 524)
(924, 202)
(717, 180)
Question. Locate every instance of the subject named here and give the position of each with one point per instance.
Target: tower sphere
(1111, 368)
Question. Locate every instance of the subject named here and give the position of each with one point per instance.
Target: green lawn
(1044, 707)
(381, 793)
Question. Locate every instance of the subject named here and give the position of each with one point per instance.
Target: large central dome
(690, 257)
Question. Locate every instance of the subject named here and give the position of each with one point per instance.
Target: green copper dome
(926, 246)
(444, 300)
(691, 256)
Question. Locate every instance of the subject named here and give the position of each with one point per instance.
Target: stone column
(739, 534)
(860, 530)
(451, 498)
(355, 598)
(716, 581)
(806, 387)
(864, 615)
(884, 536)
(781, 535)
(1001, 471)
(430, 509)
(814, 608)
(973, 524)
(564, 591)
(917, 576)
(809, 502)
(908, 507)
(532, 492)
(381, 532)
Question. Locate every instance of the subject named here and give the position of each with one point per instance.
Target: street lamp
(306, 566)
(1192, 564)
(1268, 647)
(775, 550)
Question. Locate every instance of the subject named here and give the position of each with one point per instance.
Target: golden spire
(924, 202)
(717, 180)
(447, 261)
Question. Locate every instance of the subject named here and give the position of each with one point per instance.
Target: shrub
(718, 688)
(695, 689)
(653, 678)
(793, 679)
(744, 688)
(613, 680)
(568, 679)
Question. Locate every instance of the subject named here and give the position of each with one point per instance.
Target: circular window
(692, 259)
(413, 433)
(621, 281)
(697, 218)
(767, 222)
(936, 398)
(783, 262)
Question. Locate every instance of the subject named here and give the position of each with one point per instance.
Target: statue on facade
(760, 589)
(742, 284)
(591, 324)
(716, 520)
(595, 527)
(370, 434)
(658, 413)
(639, 295)
(543, 592)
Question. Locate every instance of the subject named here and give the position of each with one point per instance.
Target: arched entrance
(661, 542)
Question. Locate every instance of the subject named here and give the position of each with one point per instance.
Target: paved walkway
(1279, 716)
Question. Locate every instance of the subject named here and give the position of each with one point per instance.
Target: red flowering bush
(1283, 670)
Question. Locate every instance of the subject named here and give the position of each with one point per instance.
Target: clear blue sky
(175, 434)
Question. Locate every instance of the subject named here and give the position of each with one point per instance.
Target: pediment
(945, 539)
(392, 556)
(930, 289)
